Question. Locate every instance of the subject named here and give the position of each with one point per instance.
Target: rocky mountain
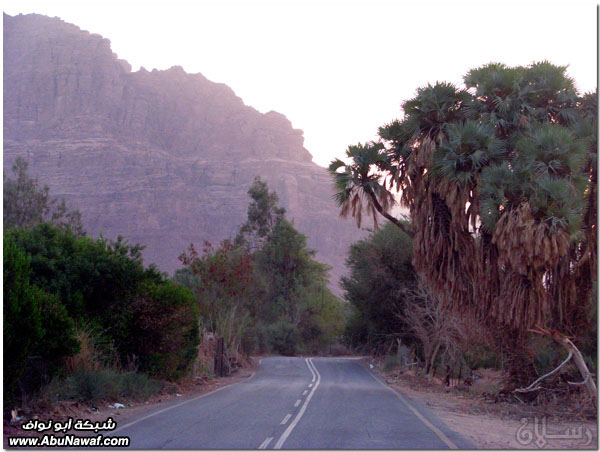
(164, 158)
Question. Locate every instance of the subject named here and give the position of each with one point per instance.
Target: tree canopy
(27, 204)
(380, 275)
(264, 290)
(500, 178)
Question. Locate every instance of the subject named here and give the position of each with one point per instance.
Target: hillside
(163, 158)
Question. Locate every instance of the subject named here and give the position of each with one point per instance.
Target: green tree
(104, 285)
(26, 204)
(264, 290)
(263, 214)
(222, 280)
(500, 178)
(166, 329)
(359, 185)
(380, 275)
(22, 319)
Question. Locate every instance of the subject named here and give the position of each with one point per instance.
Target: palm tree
(500, 180)
(358, 186)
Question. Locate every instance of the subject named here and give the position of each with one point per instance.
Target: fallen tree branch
(587, 377)
(531, 387)
(578, 358)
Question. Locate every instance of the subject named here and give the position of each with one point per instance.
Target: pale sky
(337, 69)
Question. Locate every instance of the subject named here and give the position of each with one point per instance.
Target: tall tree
(263, 214)
(380, 273)
(27, 204)
(500, 179)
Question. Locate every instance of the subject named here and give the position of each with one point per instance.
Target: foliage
(22, 322)
(91, 277)
(166, 329)
(94, 385)
(105, 286)
(501, 181)
(263, 215)
(283, 337)
(380, 267)
(250, 291)
(59, 331)
(26, 204)
(222, 280)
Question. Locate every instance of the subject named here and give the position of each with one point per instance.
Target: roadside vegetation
(263, 291)
(500, 181)
(85, 320)
(494, 267)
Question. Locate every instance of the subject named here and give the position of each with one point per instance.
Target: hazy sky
(337, 69)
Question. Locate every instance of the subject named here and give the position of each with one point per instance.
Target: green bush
(104, 285)
(391, 362)
(103, 384)
(250, 340)
(22, 322)
(482, 357)
(90, 385)
(59, 337)
(380, 272)
(137, 386)
(164, 330)
(283, 337)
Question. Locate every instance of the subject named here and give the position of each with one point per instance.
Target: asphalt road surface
(295, 403)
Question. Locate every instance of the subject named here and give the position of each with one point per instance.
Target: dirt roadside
(491, 424)
(100, 411)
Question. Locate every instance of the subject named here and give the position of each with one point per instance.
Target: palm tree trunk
(394, 220)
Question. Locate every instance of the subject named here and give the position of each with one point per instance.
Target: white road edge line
(179, 404)
(265, 443)
(417, 413)
(298, 402)
(288, 430)
(285, 419)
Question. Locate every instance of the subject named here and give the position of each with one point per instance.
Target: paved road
(296, 403)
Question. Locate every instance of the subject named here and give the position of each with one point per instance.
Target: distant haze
(337, 69)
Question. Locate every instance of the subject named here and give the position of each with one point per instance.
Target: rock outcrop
(163, 158)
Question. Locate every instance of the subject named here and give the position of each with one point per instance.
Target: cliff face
(163, 158)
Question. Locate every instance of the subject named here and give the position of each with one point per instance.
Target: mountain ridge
(162, 157)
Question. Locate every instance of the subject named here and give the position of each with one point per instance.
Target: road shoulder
(100, 411)
(489, 425)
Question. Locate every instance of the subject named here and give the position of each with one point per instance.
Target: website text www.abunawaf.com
(69, 441)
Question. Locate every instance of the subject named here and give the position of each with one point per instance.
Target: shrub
(137, 386)
(101, 384)
(391, 362)
(164, 330)
(480, 356)
(283, 337)
(88, 385)
(22, 321)
(59, 337)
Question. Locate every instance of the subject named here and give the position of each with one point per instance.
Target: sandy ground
(490, 424)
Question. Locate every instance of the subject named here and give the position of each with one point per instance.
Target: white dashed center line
(285, 419)
(265, 443)
(288, 430)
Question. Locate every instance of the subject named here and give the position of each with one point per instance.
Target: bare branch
(532, 387)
